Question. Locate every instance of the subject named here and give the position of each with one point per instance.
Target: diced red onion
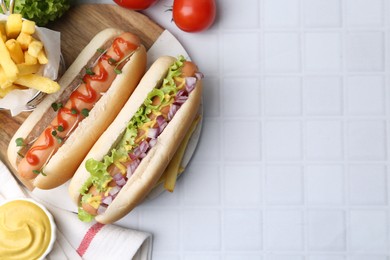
(179, 100)
(181, 93)
(117, 176)
(190, 83)
(131, 167)
(199, 75)
(160, 120)
(121, 182)
(107, 200)
(161, 127)
(114, 190)
(101, 209)
(190, 88)
(142, 155)
(132, 156)
(137, 152)
(172, 111)
(143, 146)
(153, 133)
(152, 142)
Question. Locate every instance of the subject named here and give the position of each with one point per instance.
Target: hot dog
(128, 159)
(62, 129)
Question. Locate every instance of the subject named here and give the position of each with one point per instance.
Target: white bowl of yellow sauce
(27, 230)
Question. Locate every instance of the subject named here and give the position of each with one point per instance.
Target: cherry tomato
(194, 15)
(136, 4)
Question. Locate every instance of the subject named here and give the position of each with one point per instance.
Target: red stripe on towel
(91, 233)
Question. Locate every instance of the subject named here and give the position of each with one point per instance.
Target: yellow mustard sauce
(25, 230)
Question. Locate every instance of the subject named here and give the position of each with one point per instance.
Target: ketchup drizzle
(117, 50)
(91, 93)
(31, 157)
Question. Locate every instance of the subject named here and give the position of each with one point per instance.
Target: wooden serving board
(78, 26)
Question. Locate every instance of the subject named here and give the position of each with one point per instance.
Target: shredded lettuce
(128, 139)
(84, 216)
(41, 11)
(149, 99)
(98, 170)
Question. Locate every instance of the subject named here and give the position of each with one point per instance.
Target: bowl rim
(53, 236)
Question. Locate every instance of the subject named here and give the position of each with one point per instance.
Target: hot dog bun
(152, 166)
(62, 165)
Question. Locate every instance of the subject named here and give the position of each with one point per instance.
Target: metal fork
(37, 98)
(3, 6)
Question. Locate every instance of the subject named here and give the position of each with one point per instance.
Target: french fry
(3, 37)
(2, 75)
(28, 59)
(5, 91)
(15, 51)
(2, 32)
(28, 27)
(173, 169)
(25, 69)
(8, 65)
(4, 81)
(24, 39)
(13, 25)
(34, 48)
(38, 82)
(42, 58)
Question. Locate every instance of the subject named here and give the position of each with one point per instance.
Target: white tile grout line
(386, 21)
(344, 128)
(221, 147)
(304, 212)
(262, 134)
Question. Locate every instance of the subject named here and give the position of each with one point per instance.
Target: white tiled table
(293, 159)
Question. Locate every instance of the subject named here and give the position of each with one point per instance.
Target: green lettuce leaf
(41, 11)
(98, 170)
(84, 216)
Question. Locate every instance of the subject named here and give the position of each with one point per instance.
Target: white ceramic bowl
(51, 219)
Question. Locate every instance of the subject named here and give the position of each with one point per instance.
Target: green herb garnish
(39, 172)
(118, 71)
(101, 50)
(59, 139)
(111, 61)
(82, 79)
(20, 141)
(56, 106)
(20, 154)
(85, 112)
(89, 71)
